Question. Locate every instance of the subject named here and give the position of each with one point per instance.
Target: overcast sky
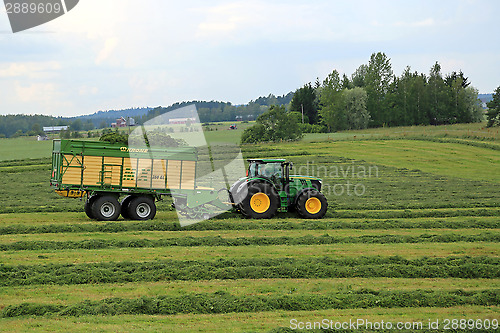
(114, 54)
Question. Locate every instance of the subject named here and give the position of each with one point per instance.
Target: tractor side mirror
(291, 165)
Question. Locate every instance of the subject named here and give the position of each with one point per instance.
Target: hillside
(209, 111)
(110, 116)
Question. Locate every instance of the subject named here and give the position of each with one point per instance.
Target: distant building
(239, 118)
(120, 122)
(54, 129)
(181, 120)
(42, 137)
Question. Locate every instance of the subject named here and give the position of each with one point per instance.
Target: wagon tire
(88, 207)
(106, 208)
(141, 208)
(124, 207)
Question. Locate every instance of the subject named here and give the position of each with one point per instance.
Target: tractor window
(252, 170)
(270, 170)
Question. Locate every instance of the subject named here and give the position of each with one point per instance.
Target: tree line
(374, 97)
(215, 111)
(12, 126)
(17, 125)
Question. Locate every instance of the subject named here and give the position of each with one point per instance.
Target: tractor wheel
(311, 205)
(106, 208)
(142, 208)
(125, 203)
(88, 207)
(261, 201)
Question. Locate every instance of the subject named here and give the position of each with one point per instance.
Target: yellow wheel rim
(259, 202)
(313, 205)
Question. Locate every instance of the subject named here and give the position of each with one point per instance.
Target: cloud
(428, 22)
(107, 50)
(29, 69)
(248, 21)
(123, 54)
(37, 98)
(88, 90)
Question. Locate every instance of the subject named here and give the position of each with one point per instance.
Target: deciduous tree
(494, 109)
(378, 78)
(305, 99)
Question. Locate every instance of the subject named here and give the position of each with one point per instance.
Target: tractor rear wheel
(106, 208)
(261, 201)
(142, 208)
(311, 205)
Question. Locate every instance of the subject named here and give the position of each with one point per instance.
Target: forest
(374, 97)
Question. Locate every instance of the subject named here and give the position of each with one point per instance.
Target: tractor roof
(266, 160)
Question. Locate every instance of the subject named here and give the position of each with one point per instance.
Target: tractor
(269, 188)
(104, 172)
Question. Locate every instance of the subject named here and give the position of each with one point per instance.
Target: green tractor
(269, 188)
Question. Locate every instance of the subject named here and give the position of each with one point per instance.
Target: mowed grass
(63, 294)
(209, 253)
(24, 148)
(423, 189)
(444, 159)
(241, 322)
(477, 131)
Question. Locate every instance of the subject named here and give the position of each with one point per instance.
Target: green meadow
(411, 235)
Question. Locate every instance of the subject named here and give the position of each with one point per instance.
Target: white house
(54, 129)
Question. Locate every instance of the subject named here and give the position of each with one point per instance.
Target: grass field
(411, 236)
(23, 147)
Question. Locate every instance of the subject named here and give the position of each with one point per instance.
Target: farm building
(54, 129)
(120, 122)
(181, 120)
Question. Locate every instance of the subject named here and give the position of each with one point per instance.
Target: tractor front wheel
(261, 201)
(311, 205)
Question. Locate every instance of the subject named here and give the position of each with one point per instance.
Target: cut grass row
(45, 224)
(305, 268)
(222, 302)
(189, 241)
(239, 322)
(160, 236)
(410, 251)
(70, 294)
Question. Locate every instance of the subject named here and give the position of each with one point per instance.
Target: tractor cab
(269, 187)
(274, 169)
(277, 171)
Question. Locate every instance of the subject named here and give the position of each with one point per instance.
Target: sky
(116, 54)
